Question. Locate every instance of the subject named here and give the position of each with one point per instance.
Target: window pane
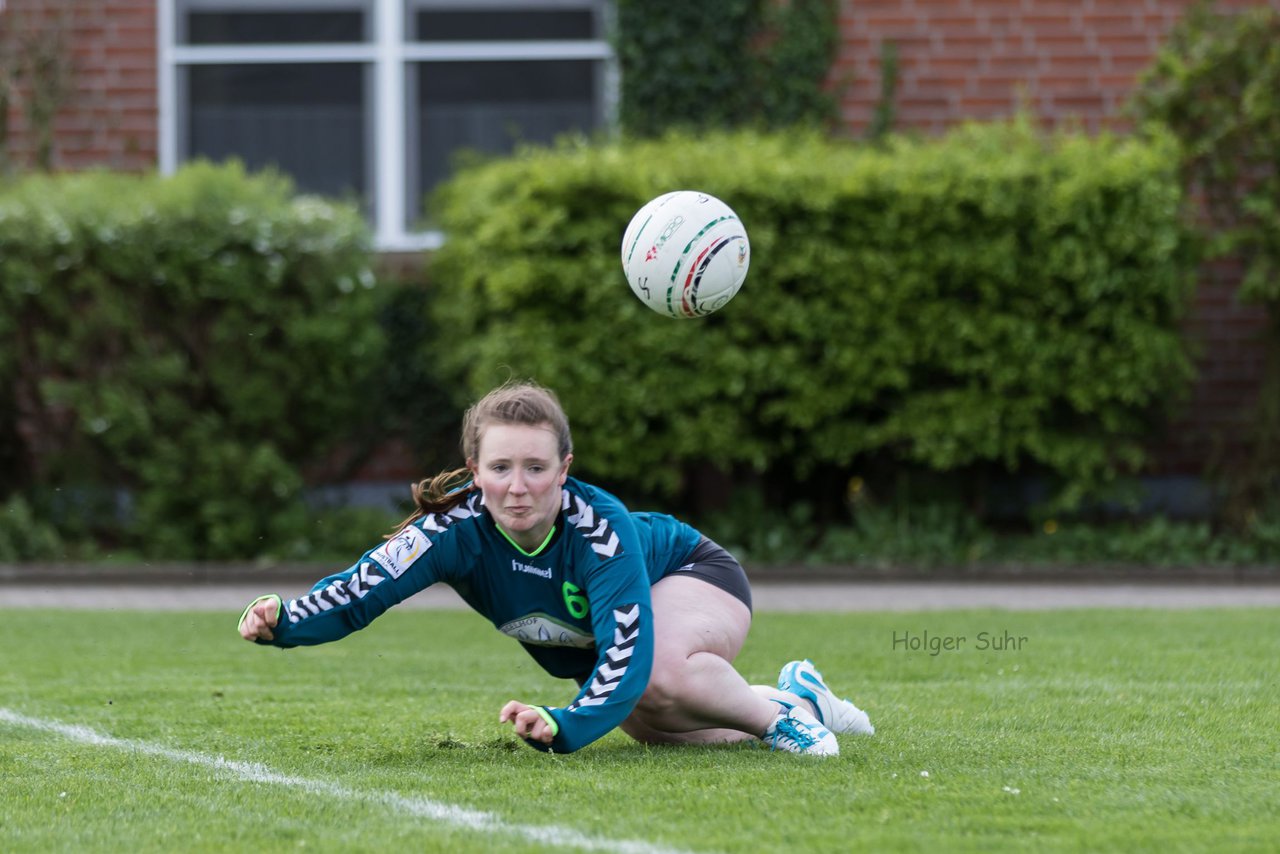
(305, 119)
(498, 24)
(492, 106)
(274, 27)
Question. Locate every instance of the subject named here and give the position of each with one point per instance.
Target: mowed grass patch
(1087, 729)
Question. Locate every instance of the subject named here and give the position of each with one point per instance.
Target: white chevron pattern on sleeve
(608, 548)
(338, 592)
(609, 674)
(594, 528)
(370, 574)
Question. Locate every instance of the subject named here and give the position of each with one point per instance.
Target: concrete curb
(813, 596)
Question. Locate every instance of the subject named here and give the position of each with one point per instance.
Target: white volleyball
(685, 254)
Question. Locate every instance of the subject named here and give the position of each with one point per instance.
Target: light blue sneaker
(797, 731)
(803, 679)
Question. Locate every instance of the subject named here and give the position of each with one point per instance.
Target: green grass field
(1133, 730)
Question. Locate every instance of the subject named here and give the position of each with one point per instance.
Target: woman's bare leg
(695, 696)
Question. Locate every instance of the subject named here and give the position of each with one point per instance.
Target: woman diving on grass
(641, 610)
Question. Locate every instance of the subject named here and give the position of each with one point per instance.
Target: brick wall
(110, 118)
(959, 59)
(1067, 62)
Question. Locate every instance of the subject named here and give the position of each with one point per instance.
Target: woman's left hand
(528, 722)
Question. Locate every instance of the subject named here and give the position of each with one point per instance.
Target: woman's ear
(564, 469)
(471, 466)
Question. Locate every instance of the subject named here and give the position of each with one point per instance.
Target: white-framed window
(373, 100)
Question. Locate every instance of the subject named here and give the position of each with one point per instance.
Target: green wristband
(551, 722)
(249, 607)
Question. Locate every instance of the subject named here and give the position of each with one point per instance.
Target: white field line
(252, 772)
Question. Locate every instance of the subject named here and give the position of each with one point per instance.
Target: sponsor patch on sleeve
(398, 553)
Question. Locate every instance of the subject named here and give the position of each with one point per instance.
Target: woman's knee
(664, 692)
(674, 679)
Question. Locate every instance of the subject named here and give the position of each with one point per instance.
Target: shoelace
(788, 727)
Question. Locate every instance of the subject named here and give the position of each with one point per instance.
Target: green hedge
(989, 299)
(193, 340)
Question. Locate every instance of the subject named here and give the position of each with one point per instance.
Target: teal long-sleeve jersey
(580, 606)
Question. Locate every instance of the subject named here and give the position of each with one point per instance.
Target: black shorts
(714, 565)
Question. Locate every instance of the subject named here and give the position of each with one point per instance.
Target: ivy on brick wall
(1216, 84)
(725, 64)
(37, 73)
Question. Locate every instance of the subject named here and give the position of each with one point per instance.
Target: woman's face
(520, 472)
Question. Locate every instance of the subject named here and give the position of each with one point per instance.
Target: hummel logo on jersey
(599, 533)
(532, 570)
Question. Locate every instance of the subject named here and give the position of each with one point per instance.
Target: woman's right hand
(529, 722)
(259, 618)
